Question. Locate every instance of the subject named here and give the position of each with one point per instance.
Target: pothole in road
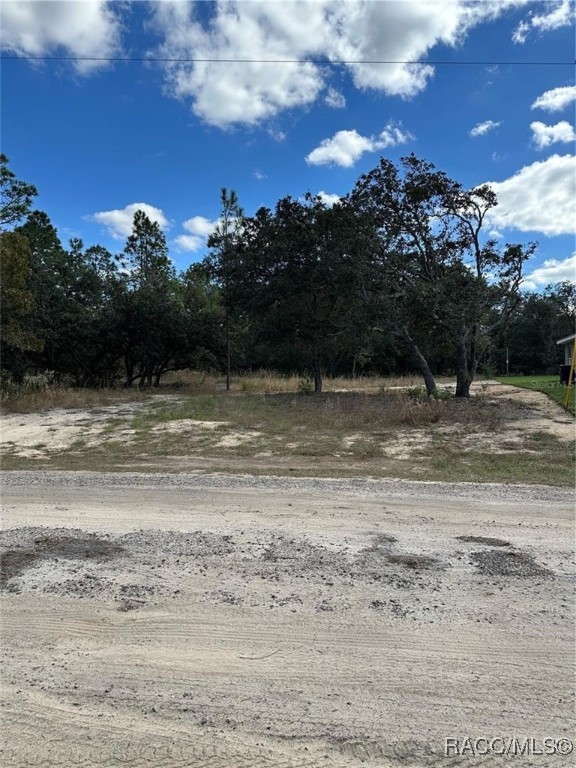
(415, 562)
(488, 541)
(13, 562)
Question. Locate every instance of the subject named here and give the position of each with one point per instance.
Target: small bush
(416, 393)
(444, 394)
(306, 386)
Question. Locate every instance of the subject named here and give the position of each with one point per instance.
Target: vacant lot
(180, 620)
(502, 434)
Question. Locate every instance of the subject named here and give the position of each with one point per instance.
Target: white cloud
(185, 243)
(258, 175)
(556, 99)
(545, 135)
(262, 33)
(82, 28)
(334, 99)
(200, 225)
(552, 271)
(345, 147)
(227, 93)
(538, 198)
(560, 15)
(329, 199)
(118, 222)
(199, 228)
(482, 128)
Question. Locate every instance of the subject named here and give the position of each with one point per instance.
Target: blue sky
(101, 138)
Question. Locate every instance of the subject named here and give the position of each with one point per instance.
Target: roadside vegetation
(42, 392)
(549, 385)
(267, 425)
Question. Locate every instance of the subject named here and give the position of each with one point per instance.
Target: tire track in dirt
(302, 628)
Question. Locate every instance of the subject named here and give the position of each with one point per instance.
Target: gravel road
(213, 621)
(487, 492)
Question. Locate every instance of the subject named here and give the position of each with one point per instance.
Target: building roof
(566, 339)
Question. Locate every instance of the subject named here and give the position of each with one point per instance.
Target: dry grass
(47, 399)
(270, 382)
(42, 393)
(331, 412)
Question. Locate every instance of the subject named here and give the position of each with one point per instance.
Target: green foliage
(541, 319)
(15, 196)
(429, 266)
(146, 254)
(15, 298)
(75, 313)
(288, 271)
(416, 393)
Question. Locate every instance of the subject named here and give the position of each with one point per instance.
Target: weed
(306, 386)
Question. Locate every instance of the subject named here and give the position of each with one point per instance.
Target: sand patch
(234, 439)
(188, 425)
(36, 435)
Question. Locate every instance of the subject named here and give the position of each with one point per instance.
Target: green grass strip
(549, 385)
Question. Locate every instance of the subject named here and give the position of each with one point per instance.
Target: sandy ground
(45, 434)
(238, 622)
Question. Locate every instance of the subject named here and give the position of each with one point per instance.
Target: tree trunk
(129, 365)
(422, 362)
(317, 375)
(473, 365)
(463, 377)
(228, 354)
(354, 367)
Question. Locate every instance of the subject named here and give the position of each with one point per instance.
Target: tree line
(398, 276)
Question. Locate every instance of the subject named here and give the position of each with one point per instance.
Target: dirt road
(228, 622)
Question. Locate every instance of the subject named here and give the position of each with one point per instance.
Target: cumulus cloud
(482, 128)
(224, 93)
(198, 229)
(545, 135)
(200, 225)
(334, 99)
(345, 147)
(328, 199)
(538, 198)
(552, 271)
(187, 243)
(81, 28)
(119, 221)
(560, 14)
(556, 99)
